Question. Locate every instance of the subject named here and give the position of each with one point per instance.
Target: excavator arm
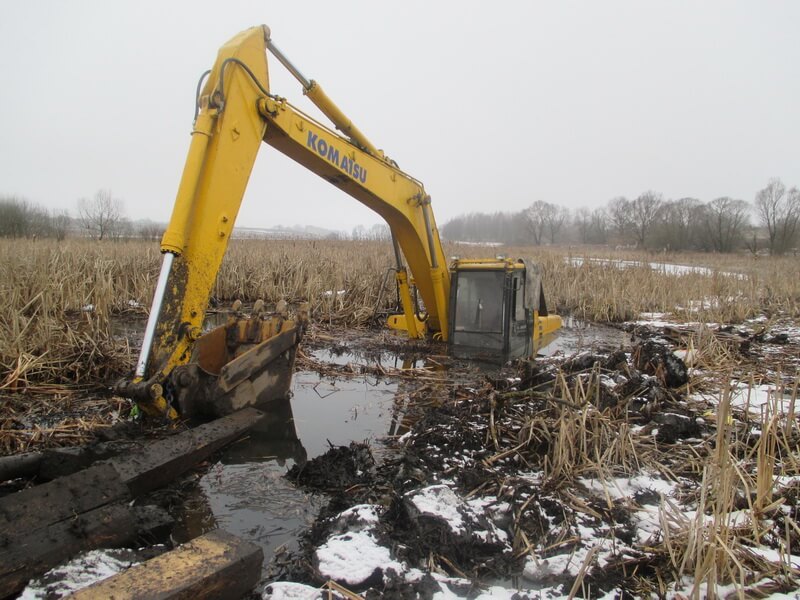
(237, 112)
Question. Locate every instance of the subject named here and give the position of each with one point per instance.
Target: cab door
(520, 322)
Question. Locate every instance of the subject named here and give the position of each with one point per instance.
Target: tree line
(770, 222)
(101, 217)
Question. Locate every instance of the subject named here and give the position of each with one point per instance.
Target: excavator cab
(497, 309)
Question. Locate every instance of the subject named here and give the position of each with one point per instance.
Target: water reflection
(274, 438)
(246, 492)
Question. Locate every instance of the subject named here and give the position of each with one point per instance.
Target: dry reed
(58, 299)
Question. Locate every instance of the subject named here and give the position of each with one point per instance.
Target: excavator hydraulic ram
(184, 369)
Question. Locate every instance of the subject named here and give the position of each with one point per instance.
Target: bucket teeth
(282, 308)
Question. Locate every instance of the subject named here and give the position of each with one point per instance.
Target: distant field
(58, 299)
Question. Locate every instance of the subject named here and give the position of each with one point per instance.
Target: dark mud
(488, 440)
(458, 441)
(482, 440)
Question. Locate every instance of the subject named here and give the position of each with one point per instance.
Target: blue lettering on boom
(331, 154)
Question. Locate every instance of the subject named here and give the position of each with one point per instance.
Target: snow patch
(80, 572)
(441, 502)
(291, 591)
(358, 518)
(352, 558)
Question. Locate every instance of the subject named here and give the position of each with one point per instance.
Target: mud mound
(658, 360)
(339, 468)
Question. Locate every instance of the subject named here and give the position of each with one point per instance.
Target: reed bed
(739, 505)
(59, 301)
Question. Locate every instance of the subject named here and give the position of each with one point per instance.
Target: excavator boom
(236, 113)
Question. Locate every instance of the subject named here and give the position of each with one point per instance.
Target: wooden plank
(106, 527)
(63, 498)
(215, 565)
(20, 465)
(30, 556)
(58, 462)
(159, 463)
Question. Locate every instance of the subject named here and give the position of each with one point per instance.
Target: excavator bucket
(246, 362)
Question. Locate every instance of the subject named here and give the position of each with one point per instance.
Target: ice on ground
(655, 316)
(82, 571)
(753, 397)
(594, 548)
(358, 518)
(462, 518)
(652, 319)
(496, 592)
(291, 591)
(627, 487)
(441, 502)
(776, 557)
(352, 558)
(647, 518)
(665, 268)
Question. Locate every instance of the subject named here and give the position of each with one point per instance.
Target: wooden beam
(42, 526)
(31, 556)
(107, 527)
(26, 511)
(20, 465)
(159, 463)
(215, 565)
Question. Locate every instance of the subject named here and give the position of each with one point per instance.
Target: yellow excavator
(478, 307)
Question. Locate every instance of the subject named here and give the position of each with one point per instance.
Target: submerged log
(159, 463)
(42, 526)
(26, 511)
(20, 465)
(105, 527)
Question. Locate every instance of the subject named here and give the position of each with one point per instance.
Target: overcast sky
(492, 105)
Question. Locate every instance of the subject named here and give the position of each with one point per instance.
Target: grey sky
(492, 105)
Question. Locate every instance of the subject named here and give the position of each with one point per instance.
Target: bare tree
(619, 216)
(724, 220)
(555, 217)
(101, 215)
(60, 224)
(14, 220)
(679, 223)
(359, 233)
(582, 220)
(792, 224)
(151, 231)
(645, 211)
(599, 226)
(21, 218)
(379, 232)
(779, 212)
(122, 229)
(536, 217)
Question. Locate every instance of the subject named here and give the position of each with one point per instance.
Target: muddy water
(576, 335)
(246, 492)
